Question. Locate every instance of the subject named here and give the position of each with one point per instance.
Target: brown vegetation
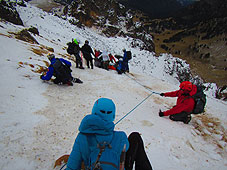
(211, 130)
(207, 58)
(24, 35)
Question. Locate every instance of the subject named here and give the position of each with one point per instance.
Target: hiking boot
(69, 83)
(76, 80)
(187, 119)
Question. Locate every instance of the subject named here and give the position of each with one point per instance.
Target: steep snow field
(39, 120)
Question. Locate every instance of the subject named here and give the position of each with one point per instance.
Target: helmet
(50, 56)
(86, 42)
(186, 85)
(75, 41)
(105, 108)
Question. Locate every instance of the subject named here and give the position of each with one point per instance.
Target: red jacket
(184, 103)
(112, 58)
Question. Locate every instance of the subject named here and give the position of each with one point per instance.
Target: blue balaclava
(105, 108)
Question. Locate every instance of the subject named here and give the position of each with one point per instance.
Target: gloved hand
(162, 94)
(41, 77)
(161, 114)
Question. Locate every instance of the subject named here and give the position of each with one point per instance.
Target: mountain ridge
(159, 35)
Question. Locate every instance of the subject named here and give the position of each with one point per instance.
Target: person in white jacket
(105, 60)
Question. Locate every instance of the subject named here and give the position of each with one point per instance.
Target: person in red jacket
(185, 103)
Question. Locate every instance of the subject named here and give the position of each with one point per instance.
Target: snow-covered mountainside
(39, 120)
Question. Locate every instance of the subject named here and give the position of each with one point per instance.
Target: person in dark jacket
(87, 51)
(60, 68)
(185, 103)
(98, 127)
(79, 63)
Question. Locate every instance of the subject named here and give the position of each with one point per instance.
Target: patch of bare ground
(212, 131)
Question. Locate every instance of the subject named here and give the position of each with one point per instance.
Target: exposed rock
(221, 93)
(33, 30)
(111, 31)
(112, 18)
(24, 35)
(9, 13)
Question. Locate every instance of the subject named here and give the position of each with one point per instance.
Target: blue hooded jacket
(50, 72)
(103, 131)
(123, 64)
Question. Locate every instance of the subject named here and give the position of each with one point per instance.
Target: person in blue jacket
(98, 127)
(123, 63)
(60, 68)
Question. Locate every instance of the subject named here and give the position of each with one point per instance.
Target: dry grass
(40, 69)
(42, 50)
(9, 36)
(39, 52)
(211, 130)
(211, 70)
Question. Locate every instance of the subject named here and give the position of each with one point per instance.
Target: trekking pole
(134, 108)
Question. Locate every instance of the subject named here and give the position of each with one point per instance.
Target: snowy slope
(39, 120)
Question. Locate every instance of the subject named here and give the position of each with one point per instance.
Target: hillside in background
(198, 35)
(154, 8)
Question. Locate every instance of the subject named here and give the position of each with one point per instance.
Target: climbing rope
(141, 84)
(152, 92)
(63, 166)
(134, 108)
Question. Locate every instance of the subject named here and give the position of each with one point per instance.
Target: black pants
(89, 62)
(58, 80)
(137, 154)
(183, 117)
(78, 60)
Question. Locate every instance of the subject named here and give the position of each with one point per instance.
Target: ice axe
(62, 162)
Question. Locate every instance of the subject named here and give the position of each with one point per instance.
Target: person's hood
(190, 93)
(194, 90)
(93, 124)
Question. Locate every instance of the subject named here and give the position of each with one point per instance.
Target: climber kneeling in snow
(60, 68)
(185, 103)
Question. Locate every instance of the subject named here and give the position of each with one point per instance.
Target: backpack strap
(102, 146)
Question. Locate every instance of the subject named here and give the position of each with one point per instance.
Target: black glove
(162, 94)
(41, 77)
(161, 114)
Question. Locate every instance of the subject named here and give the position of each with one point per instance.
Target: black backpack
(61, 70)
(70, 49)
(200, 101)
(129, 55)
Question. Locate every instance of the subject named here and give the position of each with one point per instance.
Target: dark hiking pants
(89, 62)
(183, 117)
(136, 153)
(78, 60)
(58, 80)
